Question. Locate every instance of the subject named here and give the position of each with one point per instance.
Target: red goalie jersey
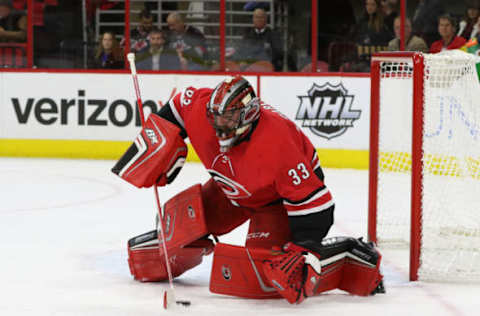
(263, 169)
(274, 163)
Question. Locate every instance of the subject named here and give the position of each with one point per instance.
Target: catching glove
(295, 274)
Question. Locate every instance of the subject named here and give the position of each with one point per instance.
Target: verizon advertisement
(85, 106)
(333, 111)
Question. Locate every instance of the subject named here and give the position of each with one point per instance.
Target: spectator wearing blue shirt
(157, 56)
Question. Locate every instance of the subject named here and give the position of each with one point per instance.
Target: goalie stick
(169, 294)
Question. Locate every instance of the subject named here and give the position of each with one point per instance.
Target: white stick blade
(169, 299)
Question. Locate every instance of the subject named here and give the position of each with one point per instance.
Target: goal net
(425, 161)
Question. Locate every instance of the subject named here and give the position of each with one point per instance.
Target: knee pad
(238, 271)
(183, 218)
(185, 231)
(147, 262)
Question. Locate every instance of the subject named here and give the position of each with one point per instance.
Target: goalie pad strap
(335, 248)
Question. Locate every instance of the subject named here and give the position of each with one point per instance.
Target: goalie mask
(232, 109)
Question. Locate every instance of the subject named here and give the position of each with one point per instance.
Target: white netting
(450, 247)
(395, 139)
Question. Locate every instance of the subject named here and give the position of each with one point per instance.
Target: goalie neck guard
(231, 110)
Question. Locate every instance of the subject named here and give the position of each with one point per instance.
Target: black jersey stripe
(307, 197)
(319, 173)
(167, 113)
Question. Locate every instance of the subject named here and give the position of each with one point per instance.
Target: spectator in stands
(157, 56)
(412, 42)
(372, 34)
(425, 19)
(139, 37)
(109, 54)
(470, 20)
(371, 30)
(188, 41)
(261, 43)
(390, 12)
(447, 31)
(13, 24)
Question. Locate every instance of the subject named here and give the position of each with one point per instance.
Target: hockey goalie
(263, 169)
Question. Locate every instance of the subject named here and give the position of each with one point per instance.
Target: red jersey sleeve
(187, 105)
(181, 103)
(300, 179)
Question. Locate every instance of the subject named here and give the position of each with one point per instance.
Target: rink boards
(94, 115)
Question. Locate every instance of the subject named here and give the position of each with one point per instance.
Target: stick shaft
(162, 235)
(133, 69)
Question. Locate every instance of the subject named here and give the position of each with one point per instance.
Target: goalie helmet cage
(424, 175)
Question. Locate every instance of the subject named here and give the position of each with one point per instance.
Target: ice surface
(64, 225)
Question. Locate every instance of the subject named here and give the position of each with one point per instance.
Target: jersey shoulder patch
(187, 96)
(189, 103)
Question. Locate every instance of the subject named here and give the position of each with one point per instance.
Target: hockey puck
(184, 303)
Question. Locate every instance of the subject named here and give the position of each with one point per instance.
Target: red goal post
(424, 135)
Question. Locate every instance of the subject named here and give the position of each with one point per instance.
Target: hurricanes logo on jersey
(232, 189)
(327, 110)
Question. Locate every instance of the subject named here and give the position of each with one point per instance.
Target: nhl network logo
(327, 110)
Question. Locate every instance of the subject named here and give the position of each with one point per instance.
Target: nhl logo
(227, 274)
(327, 110)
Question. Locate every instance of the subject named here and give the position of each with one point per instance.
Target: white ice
(64, 225)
